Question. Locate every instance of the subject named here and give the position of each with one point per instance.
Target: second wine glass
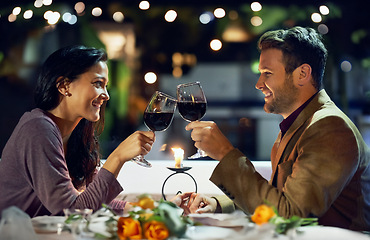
(192, 105)
(158, 116)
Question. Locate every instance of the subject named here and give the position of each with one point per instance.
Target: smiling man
(320, 163)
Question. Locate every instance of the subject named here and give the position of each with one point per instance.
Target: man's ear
(63, 86)
(304, 74)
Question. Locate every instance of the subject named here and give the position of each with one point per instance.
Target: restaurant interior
(158, 44)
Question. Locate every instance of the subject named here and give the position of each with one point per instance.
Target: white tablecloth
(136, 179)
(308, 233)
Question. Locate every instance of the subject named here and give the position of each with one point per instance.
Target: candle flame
(179, 155)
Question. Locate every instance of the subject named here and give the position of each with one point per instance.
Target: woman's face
(87, 93)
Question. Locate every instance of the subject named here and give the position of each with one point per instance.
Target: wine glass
(158, 116)
(192, 105)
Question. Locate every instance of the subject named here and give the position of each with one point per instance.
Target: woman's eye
(99, 84)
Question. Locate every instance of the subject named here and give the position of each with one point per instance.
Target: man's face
(277, 86)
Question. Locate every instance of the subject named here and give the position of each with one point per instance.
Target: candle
(179, 155)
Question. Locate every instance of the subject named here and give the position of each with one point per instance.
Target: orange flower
(155, 230)
(128, 228)
(262, 214)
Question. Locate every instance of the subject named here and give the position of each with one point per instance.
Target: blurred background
(158, 44)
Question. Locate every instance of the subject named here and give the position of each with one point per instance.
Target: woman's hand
(138, 143)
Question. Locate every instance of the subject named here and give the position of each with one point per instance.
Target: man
(320, 163)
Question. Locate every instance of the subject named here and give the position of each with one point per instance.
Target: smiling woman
(50, 162)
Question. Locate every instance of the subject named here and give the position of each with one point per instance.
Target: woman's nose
(105, 95)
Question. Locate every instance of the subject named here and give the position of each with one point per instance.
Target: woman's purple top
(34, 174)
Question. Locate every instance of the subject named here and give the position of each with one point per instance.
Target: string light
(118, 17)
(96, 12)
(38, 3)
(28, 14)
(256, 6)
(144, 5)
(215, 45)
(150, 77)
(12, 17)
(219, 13)
(170, 15)
(47, 2)
(256, 21)
(80, 7)
(323, 29)
(206, 17)
(316, 17)
(346, 66)
(16, 11)
(324, 10)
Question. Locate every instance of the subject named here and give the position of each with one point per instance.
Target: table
(136, 180)
(308, 233)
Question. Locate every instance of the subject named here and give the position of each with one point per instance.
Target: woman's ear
(305, 76)
(63, 86)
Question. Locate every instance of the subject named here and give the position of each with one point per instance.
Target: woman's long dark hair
(82, 155)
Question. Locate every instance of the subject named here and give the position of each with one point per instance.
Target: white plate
(47, 224)
(208, 232)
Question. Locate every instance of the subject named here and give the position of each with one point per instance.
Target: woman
(49, 163)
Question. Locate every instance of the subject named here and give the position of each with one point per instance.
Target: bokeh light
(316, 17)
(16, 11)
(96, 12)
(150, 77)
(28, 14)
(118, 17)
(256, 21)
(324, 10)
(219, 13)
(170, 15)
(47, 2)
(80, 7)
(206, 17)
(215, 44)
(323, 29)
(346, 66)
(256, 6)
(144, 5)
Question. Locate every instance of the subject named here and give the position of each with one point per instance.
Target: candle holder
(178, 171)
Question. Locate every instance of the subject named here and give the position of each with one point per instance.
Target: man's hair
(299, 45)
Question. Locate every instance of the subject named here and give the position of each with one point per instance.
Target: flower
(128, 228)
(148, 220)
(262, 214)
(155, 230)
(267, 214)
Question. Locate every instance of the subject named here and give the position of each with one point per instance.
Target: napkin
(236, 219)
(16, 225)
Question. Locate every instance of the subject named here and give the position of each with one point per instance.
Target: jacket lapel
(281, 143)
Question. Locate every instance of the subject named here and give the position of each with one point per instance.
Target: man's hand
(209, 138)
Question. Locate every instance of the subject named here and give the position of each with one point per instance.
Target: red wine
(158, 121)
(192, 111)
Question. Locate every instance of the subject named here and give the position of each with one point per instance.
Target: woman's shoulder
(36, 123)
(37, 118)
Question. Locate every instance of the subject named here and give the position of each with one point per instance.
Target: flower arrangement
(267, 214)
(148, 220)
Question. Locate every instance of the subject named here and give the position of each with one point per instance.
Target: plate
(209, 232)
(47, 224)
